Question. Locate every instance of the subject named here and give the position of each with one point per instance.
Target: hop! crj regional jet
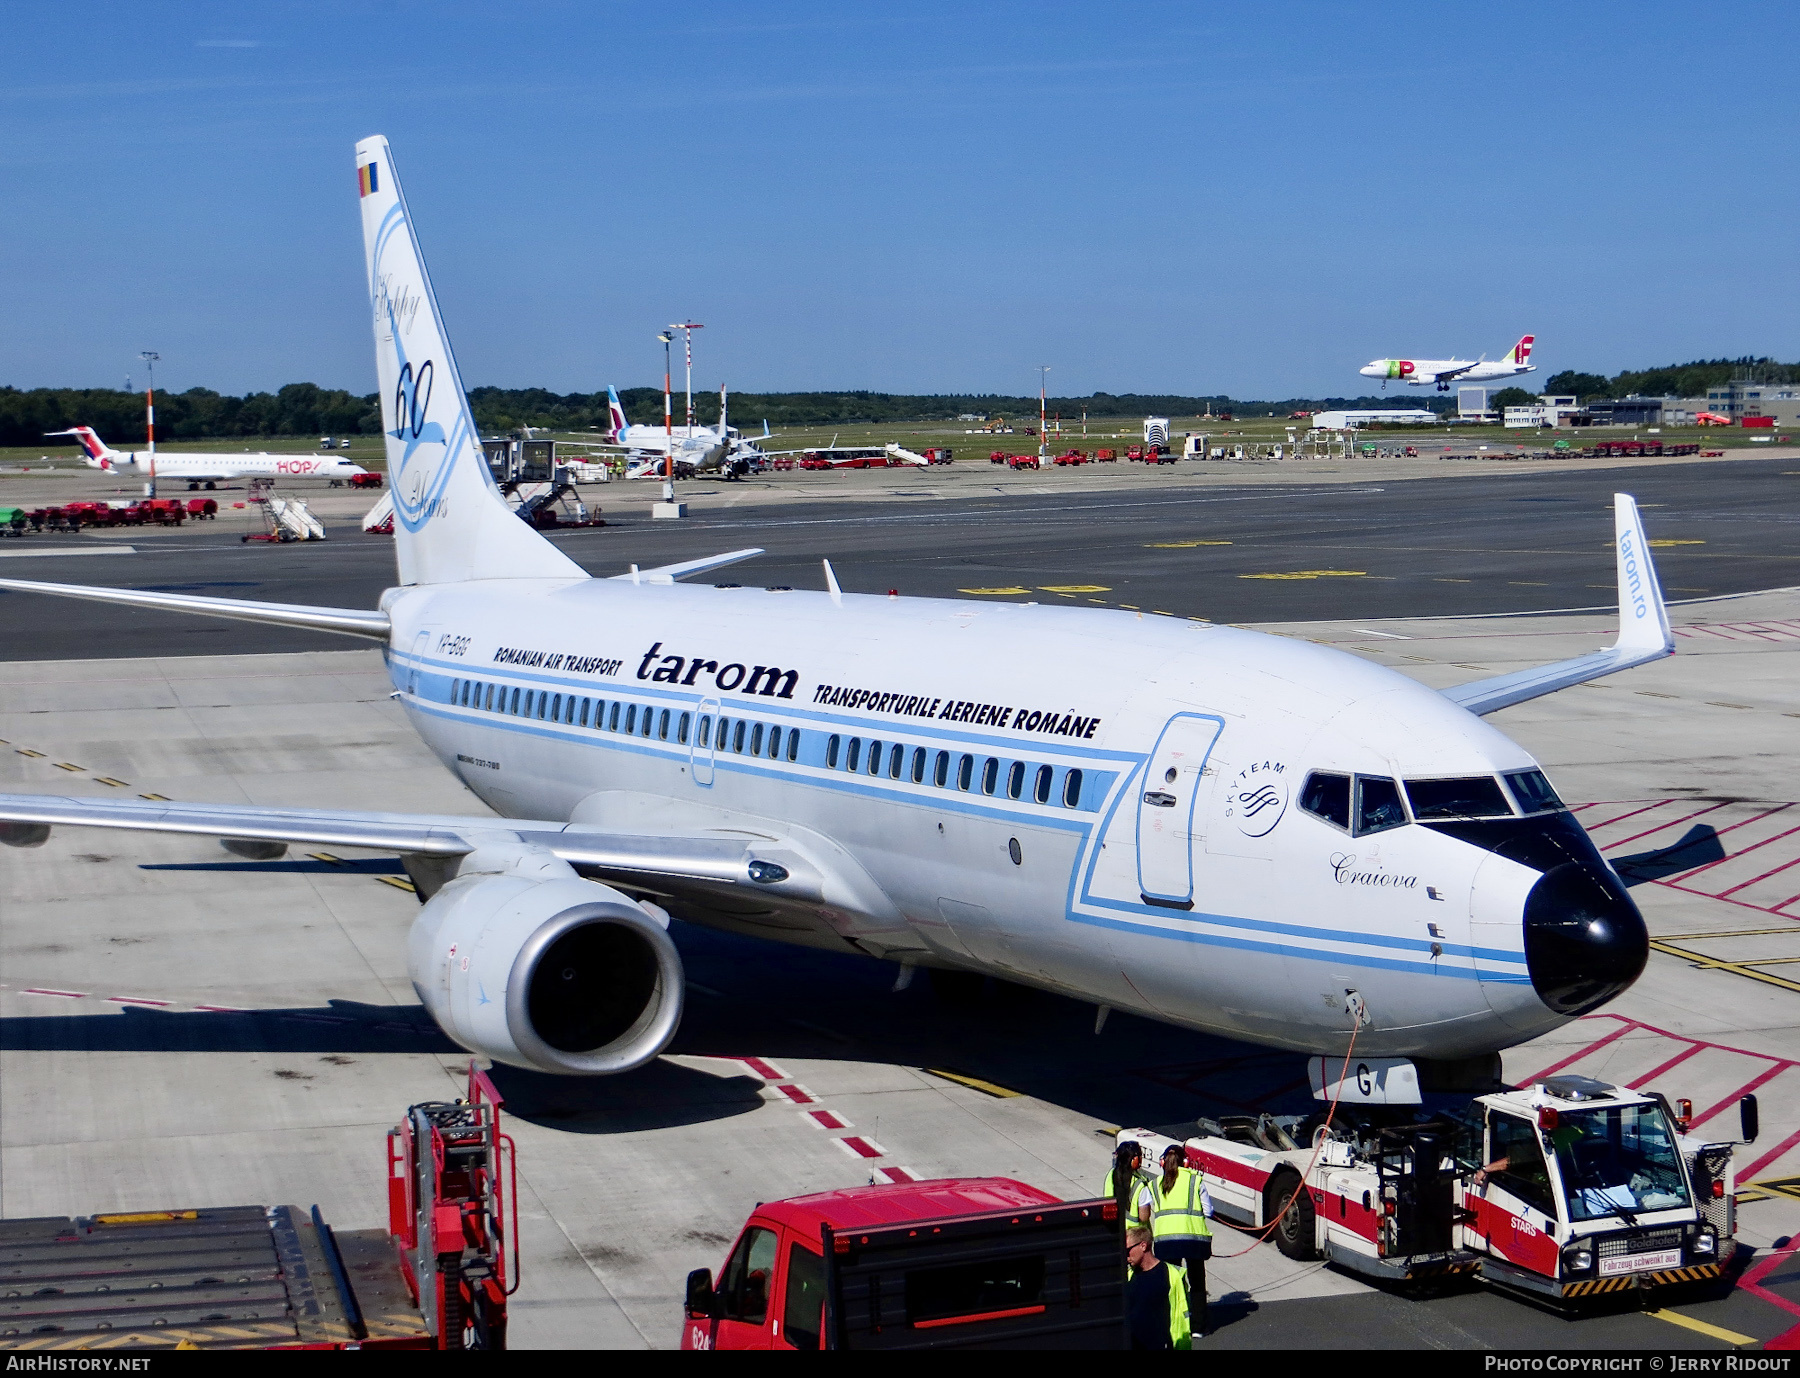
(195, 469)
(1224, 830)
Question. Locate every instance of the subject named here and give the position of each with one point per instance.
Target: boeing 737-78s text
(1229, 831)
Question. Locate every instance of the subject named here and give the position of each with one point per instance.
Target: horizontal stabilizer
(349, 621)
(668, 574)
(1644, 633)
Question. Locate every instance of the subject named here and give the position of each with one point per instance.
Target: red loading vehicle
(1134, 453)
(998, 457)
(1071, 457)
(159, 511)
(368, 480)
(969, 1262)
(203, 509)
(1022, 462)
(1106, 456)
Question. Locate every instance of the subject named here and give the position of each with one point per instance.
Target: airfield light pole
(1043, 440)
(688, 328)
(668, 341)
(150, 356)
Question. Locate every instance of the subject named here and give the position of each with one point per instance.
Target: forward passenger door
(1167, 795)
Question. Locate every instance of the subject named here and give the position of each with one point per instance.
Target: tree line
(1673, 380)
(27, 415)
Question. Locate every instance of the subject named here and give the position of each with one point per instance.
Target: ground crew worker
(1156, 1303)
(1125, 1178)
(1175, 1206)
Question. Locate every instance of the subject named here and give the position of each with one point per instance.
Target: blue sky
(1253, 199)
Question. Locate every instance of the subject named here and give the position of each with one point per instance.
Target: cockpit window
(1328, 797)
(1377, 805)
(1533, 791)
(1476, 797)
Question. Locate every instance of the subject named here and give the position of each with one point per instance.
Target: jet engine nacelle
(520, 960)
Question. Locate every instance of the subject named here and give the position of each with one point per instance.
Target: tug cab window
(1533, 791)
(1377, 805)
(1327, 796)
(745, 1286)
(1476, 797)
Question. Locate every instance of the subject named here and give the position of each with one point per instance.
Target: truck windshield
(1621, 1158)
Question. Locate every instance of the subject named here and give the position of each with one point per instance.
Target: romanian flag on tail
(365, 179)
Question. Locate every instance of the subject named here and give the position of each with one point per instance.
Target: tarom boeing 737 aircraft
(1241, 833)
(196, 469)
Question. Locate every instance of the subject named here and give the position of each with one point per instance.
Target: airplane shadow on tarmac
(751, 998)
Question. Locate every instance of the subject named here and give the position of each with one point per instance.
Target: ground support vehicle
(975, 1262)
(256, 1277)
(287, 519)
(997, 457)
(1022, 462)
(367, 480)
(1567, 1189)
(941, 454)
(1070, 457)
(203, 509)
(845, 459)
(1106, 456)
(14, 521)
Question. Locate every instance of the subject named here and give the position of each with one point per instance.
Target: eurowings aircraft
(1221, 829)
(195, 469)
(1443, 372)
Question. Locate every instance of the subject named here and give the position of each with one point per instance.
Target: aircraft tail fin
(450, 522)
(615, 415)
(98, 452)
(1521, 352)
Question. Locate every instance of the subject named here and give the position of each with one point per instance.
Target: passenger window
(1533, 791)
(874, 758)
(1072, 790)
(585, 705)
(569, 711)
(756, 737)
(990, 775)
(705, 729)
(1479, 797)
(918, 765)
(681, 733)
(1525, 1175)
(631, 718)
(556, 709)
(613, 722)
(965, 772)
(490, 698)
(649, 713)
(940, 772)
(774, 743)
(803, 1306)
(543, 703)
(793, 744)
(832, 743)
(515, 703)
(1042, 793)
(854, 755)
(1328, 797)
(737, 736)
(896, 755)
(745, 1286)
(1015, 780)
(662, 726)
(1377, 805)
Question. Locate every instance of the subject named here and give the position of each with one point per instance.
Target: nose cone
(1584, 939)
(1374, 370)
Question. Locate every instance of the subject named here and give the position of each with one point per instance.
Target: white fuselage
(1175, 875)
(1424, 372)
(211, 468)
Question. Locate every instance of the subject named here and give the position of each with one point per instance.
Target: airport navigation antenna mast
(668, 340)
(150, 356)
(688, 328)
(1043, 440)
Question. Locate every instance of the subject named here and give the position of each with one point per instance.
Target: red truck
(960, 1262)
(1022, 462)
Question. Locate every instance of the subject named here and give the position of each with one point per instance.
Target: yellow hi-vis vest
(1138, 1179)
(1177, 1215)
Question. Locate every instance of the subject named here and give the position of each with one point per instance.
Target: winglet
(1644, 633)
(668, 574)
(831, 584)
(1643, 618)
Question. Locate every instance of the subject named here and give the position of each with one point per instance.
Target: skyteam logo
(1257, 797)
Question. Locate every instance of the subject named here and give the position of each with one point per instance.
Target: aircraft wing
(668, 574)
(1644, 633)
(1451, 373)
(350, 621)
(715, 858)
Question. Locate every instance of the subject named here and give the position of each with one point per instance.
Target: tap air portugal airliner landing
(1443, 372)
(1228, 831)
(194, 469)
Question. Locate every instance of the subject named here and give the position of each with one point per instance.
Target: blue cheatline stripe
(1310, 954)
(1069, 820)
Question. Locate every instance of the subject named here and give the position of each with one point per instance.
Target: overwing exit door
(1169, 791)
(700, 753)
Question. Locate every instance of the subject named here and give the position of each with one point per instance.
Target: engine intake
(537, 968)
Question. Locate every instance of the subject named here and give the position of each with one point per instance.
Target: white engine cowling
(520, 960)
